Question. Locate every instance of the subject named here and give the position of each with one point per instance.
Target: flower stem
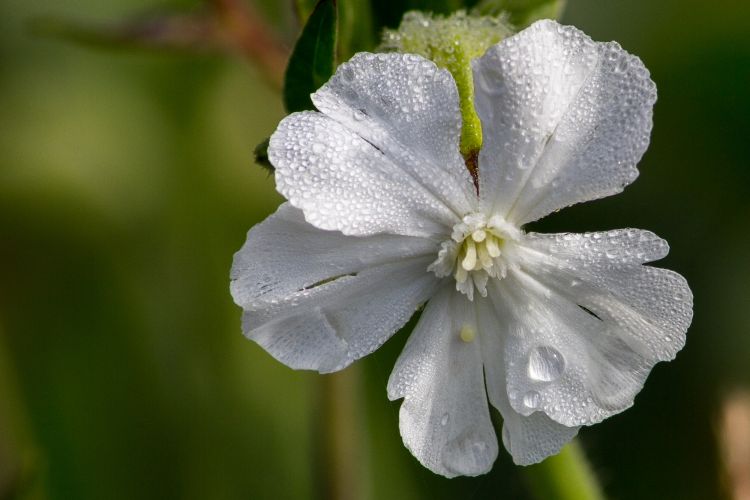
(565, 476)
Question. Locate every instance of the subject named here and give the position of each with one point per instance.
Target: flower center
(480, 248)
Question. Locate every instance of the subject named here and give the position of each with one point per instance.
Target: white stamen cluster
(477, 251)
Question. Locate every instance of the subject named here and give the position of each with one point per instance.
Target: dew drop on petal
(545, 364)
(445, 419)
(479, 447)
(505, 434)
(532, 399)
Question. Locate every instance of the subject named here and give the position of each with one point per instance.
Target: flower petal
(409, 109)
(342, 182)
(320, 300)
(444, 419)
(588, 323)
(529, 439)
(564, 120)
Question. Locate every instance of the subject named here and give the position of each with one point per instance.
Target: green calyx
(452, 42)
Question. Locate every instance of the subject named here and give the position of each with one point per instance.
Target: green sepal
(452, 42)
(313, 59)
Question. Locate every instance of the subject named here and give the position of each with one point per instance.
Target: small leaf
(261, 155)
(313, 59)
(521, 13)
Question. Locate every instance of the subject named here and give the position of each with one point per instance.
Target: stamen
(467, 334)
(477, 252)
(492, 247)
(479, 235)
(471, 256)
(484, 257)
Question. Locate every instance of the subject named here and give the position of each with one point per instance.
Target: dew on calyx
(545, 364)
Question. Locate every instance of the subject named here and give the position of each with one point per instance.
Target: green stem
(565, 476)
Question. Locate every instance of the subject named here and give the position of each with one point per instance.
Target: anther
(492, 247)
(471, 256)
(479, 235)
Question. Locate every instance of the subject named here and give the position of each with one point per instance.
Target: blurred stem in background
(565, 476)
(342, 460)
(20, 467)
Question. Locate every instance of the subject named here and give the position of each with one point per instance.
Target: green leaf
(314, 57)
(261, 155)
(521, 13)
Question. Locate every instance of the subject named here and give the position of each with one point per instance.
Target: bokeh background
(127, 183)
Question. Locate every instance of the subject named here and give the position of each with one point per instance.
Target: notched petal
(564, 120)
(528, 438)
(407, 108)
(444, 418)
(588, 322)
(319, 299)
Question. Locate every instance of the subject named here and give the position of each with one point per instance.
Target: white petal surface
(564, 120)
(444, 419)
(588, 322)
(342, 182)
(320, 300)
(409, 109)
(529, 439)
(284, 254)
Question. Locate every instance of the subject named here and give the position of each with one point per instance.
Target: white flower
(556, 331)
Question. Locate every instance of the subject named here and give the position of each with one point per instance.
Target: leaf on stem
(314, 57)
(261, 155)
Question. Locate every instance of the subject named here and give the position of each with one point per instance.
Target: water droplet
(347, 74)
(445, 419)
(532, 399)
(479, 446)
(545, 364)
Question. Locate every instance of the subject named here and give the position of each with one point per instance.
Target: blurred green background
(127, 182)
